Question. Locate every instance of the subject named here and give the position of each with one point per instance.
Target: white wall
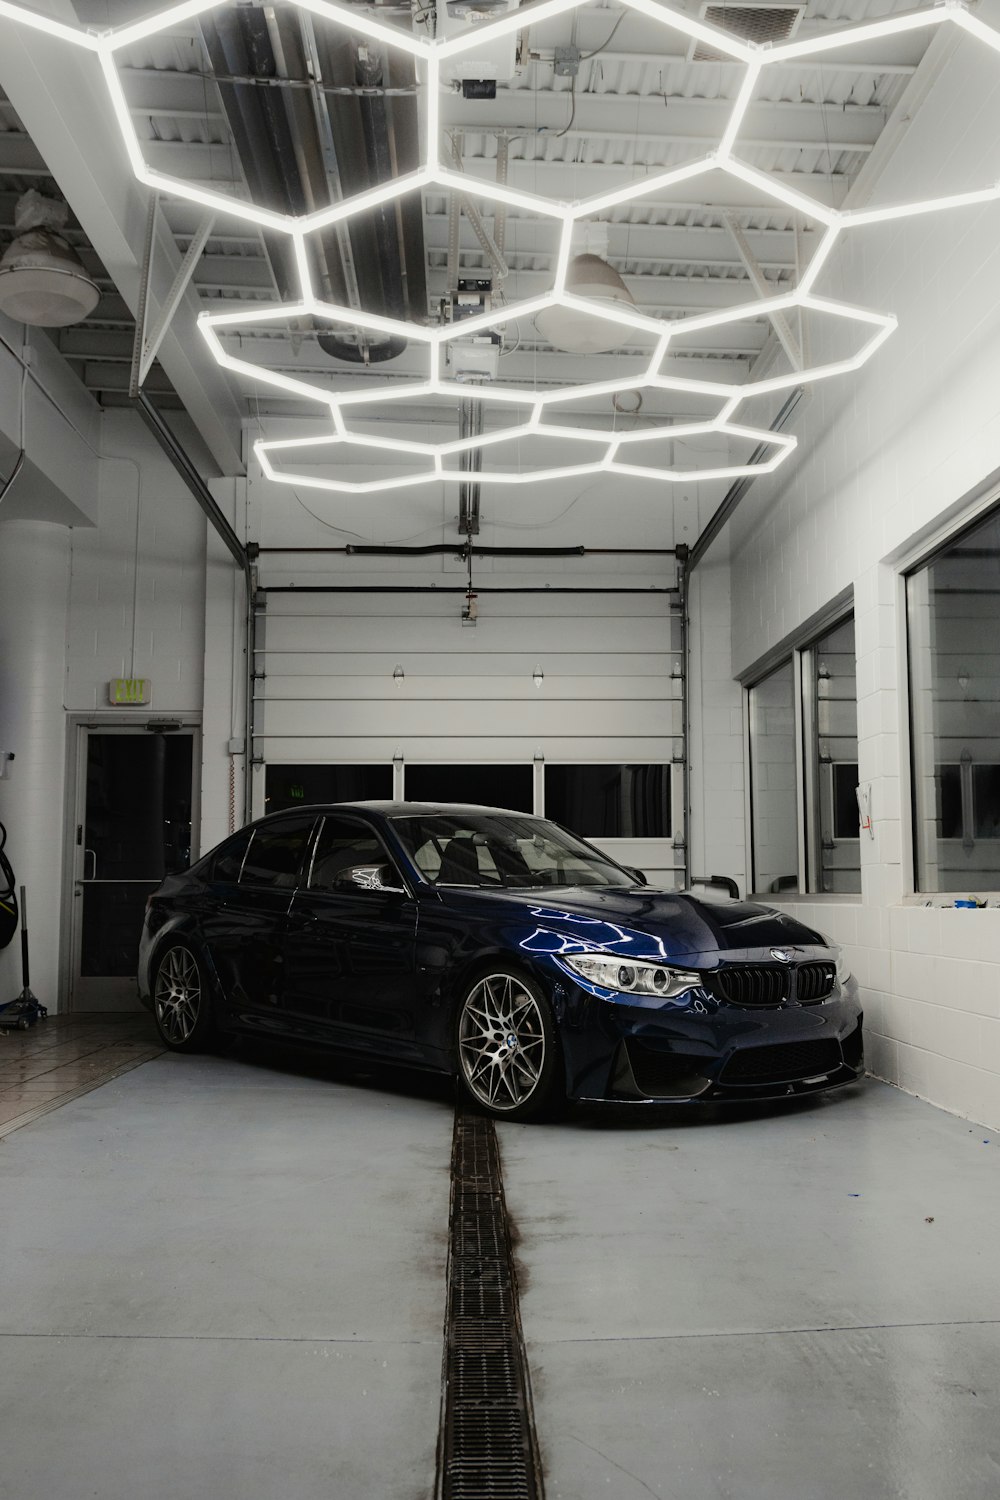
(891, 458)
(78, 606)
(34, 593)
(137, 597)
(45, 409)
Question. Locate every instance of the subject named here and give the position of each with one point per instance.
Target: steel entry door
(133, 827)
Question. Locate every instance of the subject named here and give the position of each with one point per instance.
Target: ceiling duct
(591, 277)
(751, 20)
(302, 148)
(43, 281)
(381, 276)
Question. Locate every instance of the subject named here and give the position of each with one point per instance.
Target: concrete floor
(225, 1277)
(783, 1305)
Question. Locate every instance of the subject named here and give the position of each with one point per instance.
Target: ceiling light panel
(655, 332)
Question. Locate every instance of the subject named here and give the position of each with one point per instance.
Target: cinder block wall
(892, 459)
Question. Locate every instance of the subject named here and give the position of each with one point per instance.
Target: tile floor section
(63, 1057)
(225, 1278)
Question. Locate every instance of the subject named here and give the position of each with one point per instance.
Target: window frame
(268, 827)
(674, 816)
(984, 509)
(799, 654)
(354, 821)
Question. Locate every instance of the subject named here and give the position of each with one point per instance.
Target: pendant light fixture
(43, 281)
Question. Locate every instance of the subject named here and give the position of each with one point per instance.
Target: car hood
(643, 922)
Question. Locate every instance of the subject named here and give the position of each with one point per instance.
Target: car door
(244, 925)
(350, 945)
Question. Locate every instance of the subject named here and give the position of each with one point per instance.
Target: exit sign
(130, 691)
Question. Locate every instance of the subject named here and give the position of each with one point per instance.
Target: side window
(229, 860)
(276, 853)
(348, 857)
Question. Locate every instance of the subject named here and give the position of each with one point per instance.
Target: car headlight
(611, 972)
(843, 967)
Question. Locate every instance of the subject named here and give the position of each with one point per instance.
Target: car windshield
(502, 851)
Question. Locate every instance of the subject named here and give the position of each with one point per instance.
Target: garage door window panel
(288, 786)
(483, 786)
(608, 801)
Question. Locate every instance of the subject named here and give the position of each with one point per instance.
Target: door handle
(93, 872)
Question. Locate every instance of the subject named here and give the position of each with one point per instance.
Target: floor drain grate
(488, 1449)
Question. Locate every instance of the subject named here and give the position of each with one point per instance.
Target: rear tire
(182, 1005)
(507, 1048)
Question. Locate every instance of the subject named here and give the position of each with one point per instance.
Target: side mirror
(640, 876)
(375, 878)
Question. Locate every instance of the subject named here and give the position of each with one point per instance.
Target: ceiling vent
(43, 281)
(568, 328)
(751, 22)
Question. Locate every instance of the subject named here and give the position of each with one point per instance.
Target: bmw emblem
(782, 955)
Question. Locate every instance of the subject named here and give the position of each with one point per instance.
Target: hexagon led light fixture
(600, 453)
(431, 55)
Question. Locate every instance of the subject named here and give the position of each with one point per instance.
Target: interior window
(953, 602)
(772, 782)
(948, 802)
(342, 848)
(275, 854)
(845, 800)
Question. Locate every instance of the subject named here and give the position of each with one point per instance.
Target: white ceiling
(637, 104)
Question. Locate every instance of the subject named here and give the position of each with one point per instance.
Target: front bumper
(709, 1052)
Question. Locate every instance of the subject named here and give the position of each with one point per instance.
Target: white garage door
(554, 684)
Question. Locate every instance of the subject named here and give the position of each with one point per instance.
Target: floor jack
(26, 1009)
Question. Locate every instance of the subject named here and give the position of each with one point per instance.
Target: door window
(350, 856)
(228, 862)
(135, 829)
(276, 853)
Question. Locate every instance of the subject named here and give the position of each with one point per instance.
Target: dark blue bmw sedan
(501, 949)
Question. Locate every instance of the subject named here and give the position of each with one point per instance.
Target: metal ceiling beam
(764, 288)
(655, 294)
(211, 166)
(20, 157)
(660, 243)
(609, 116)
(879, 66)
(62, 101)
(590, 178)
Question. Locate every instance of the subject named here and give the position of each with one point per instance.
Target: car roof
(388, 809)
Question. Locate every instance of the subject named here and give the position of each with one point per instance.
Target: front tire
(507, 1047)
(182, 1006)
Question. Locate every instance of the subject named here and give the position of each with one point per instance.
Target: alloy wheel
(501, 1042)
(177, 996)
